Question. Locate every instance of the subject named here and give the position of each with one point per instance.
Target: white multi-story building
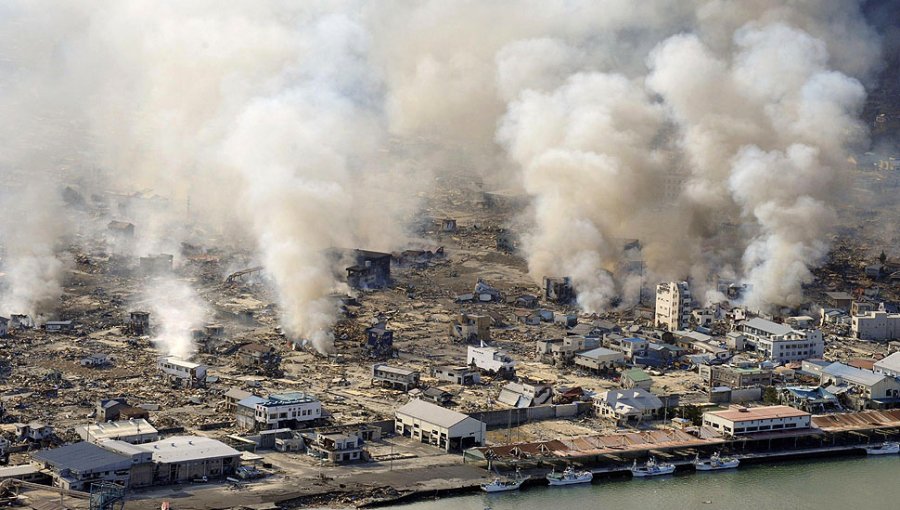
(877, 325)
(781, 343)
(673, 306)
(751, 420)
(490, 359)
(286, 410)
(178, 368)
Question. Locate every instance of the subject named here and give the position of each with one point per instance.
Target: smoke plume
(715, 132)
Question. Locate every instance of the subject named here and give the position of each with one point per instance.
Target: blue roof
(633, 340)
(81, 457)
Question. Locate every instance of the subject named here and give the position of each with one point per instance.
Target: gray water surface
(861, 483)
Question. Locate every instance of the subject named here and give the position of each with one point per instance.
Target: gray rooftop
(853, 374)
(772, 328)
(891, 363)
(432, 413)
(82, 457)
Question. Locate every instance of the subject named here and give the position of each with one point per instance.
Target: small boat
(505, 484)
(715, 462)
(569, 477)
(885, 448)
(652, 468)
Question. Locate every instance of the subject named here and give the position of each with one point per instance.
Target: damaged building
(525, 394)
(370, 270)
(559, 290)
(471, 329)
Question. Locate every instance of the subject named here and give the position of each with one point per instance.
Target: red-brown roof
(759, 413)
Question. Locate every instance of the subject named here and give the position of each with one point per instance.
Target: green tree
(770, 396)
(883, 257)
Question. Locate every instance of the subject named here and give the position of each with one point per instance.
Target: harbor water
(857, 483)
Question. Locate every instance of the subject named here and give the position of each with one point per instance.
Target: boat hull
(642, 473)
(706, 466)
(491, 487)
(891, 449)
(570, 481)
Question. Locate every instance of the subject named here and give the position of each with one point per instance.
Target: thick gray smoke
(713, 131)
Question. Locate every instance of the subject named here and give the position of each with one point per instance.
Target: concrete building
(673, 306)
(179, 459)
(877, 325)
(889, 366)
(33, 431)
(379, 340)
(563, 350)
(232, 397)
(4, 326)
(872, 389)
(630, 347)
(781, 343)
(396, 377)
(287, 410)
(372, 270)
(335, 448)
(491, 360)
(433, 424)
(130, 431)
(187, 372)
(472, 329)
(26, 473)
(525, 394)
(559, 290)
(627, 406)
(138, 323)
(735, 377)
(751, 420)
(77, 466)
(840, 300)
(599, 359)
(464, 376)
(636, 378)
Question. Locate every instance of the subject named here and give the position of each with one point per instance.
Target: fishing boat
(652, 468)
(569, 477)
(715, 462)
(885, 448)
(500, 484)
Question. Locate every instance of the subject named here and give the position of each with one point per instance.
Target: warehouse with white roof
(433, 424)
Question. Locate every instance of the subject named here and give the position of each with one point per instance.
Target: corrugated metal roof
(81, 457)
(432, 413)
(854, 375)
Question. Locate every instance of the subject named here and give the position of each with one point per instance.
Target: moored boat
(652, 468)
(716, 462)
(569, 477)
(505, 484)
(885, 448)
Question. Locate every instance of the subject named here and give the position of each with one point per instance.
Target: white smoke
(177, 309)
(713, 131)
